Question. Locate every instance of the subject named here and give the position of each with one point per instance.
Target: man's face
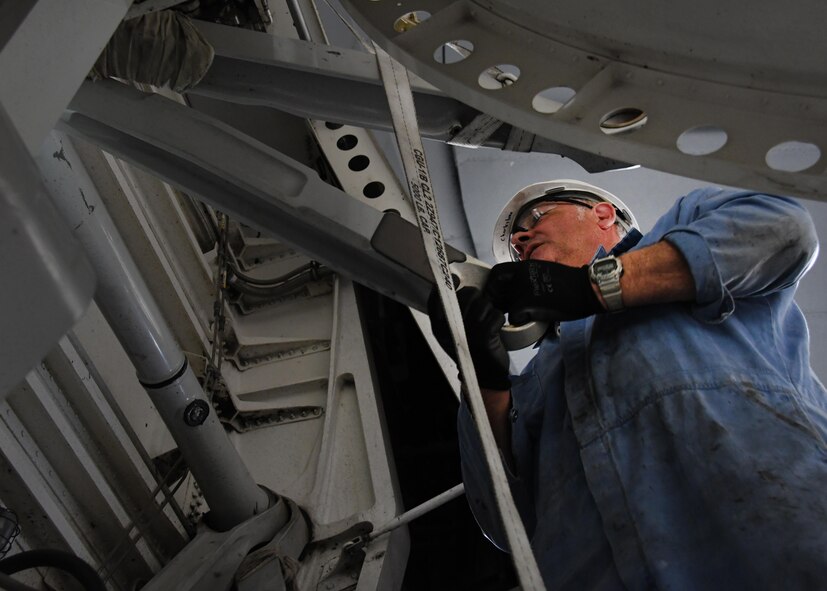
(567, 233)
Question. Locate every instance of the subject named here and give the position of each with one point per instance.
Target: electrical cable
(106, 568)
(9, 529)
(58, 559)
(312, 267)
(130, 433)
(212, 374)
(113, 567)
(6, 582)
(298, 278)
(236, 276)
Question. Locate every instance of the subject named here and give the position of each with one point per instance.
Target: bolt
(196, 413)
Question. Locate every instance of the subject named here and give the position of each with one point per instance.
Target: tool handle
(473, 273)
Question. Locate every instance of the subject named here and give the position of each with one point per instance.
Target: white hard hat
(549, 191)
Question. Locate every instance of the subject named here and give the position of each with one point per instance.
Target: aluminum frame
(237, 174)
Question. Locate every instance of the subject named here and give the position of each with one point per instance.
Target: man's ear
(606, 215)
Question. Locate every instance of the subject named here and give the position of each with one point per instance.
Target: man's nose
(519, 240)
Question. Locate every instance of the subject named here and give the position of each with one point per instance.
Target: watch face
(604, 266)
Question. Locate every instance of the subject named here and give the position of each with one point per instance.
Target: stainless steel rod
(419, 510)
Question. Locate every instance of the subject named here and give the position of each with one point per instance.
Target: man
(678, 441)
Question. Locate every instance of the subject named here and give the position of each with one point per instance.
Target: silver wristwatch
(606, 273)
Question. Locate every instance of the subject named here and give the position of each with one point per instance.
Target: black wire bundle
(64, 561)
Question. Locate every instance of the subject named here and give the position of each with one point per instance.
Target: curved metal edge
(603, 85)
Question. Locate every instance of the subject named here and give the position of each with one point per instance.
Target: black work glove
(541, 290)
(482, 329)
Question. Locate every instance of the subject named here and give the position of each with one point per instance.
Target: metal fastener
(196, 412)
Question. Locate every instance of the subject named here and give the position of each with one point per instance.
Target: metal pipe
(131, 434)
(298, 19)
(308, 30)
(131, 311)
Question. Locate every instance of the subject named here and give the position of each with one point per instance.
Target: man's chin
(540, 254)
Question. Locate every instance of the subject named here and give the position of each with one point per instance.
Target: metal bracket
(242, 422)
(309, 80)
(342, 565)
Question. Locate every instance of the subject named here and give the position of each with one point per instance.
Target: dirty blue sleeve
(738, 244)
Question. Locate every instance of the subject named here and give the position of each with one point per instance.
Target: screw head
(196, 413)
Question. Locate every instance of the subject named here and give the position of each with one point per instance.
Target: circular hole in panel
(702, 140)
(393, 211)
(331, 125)
(452, 52)
(409, 20)
(793, 156)
(552, 99)
(497, 77)
(357, 163)
(373, 190)
(347, 142)
(623, 120)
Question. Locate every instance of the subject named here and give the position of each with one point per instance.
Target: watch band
(606, 273)
(612, 295)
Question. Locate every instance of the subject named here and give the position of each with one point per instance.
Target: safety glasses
(529, 217)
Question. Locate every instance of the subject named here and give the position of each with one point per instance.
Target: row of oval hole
(789, 156)
(357, 163)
